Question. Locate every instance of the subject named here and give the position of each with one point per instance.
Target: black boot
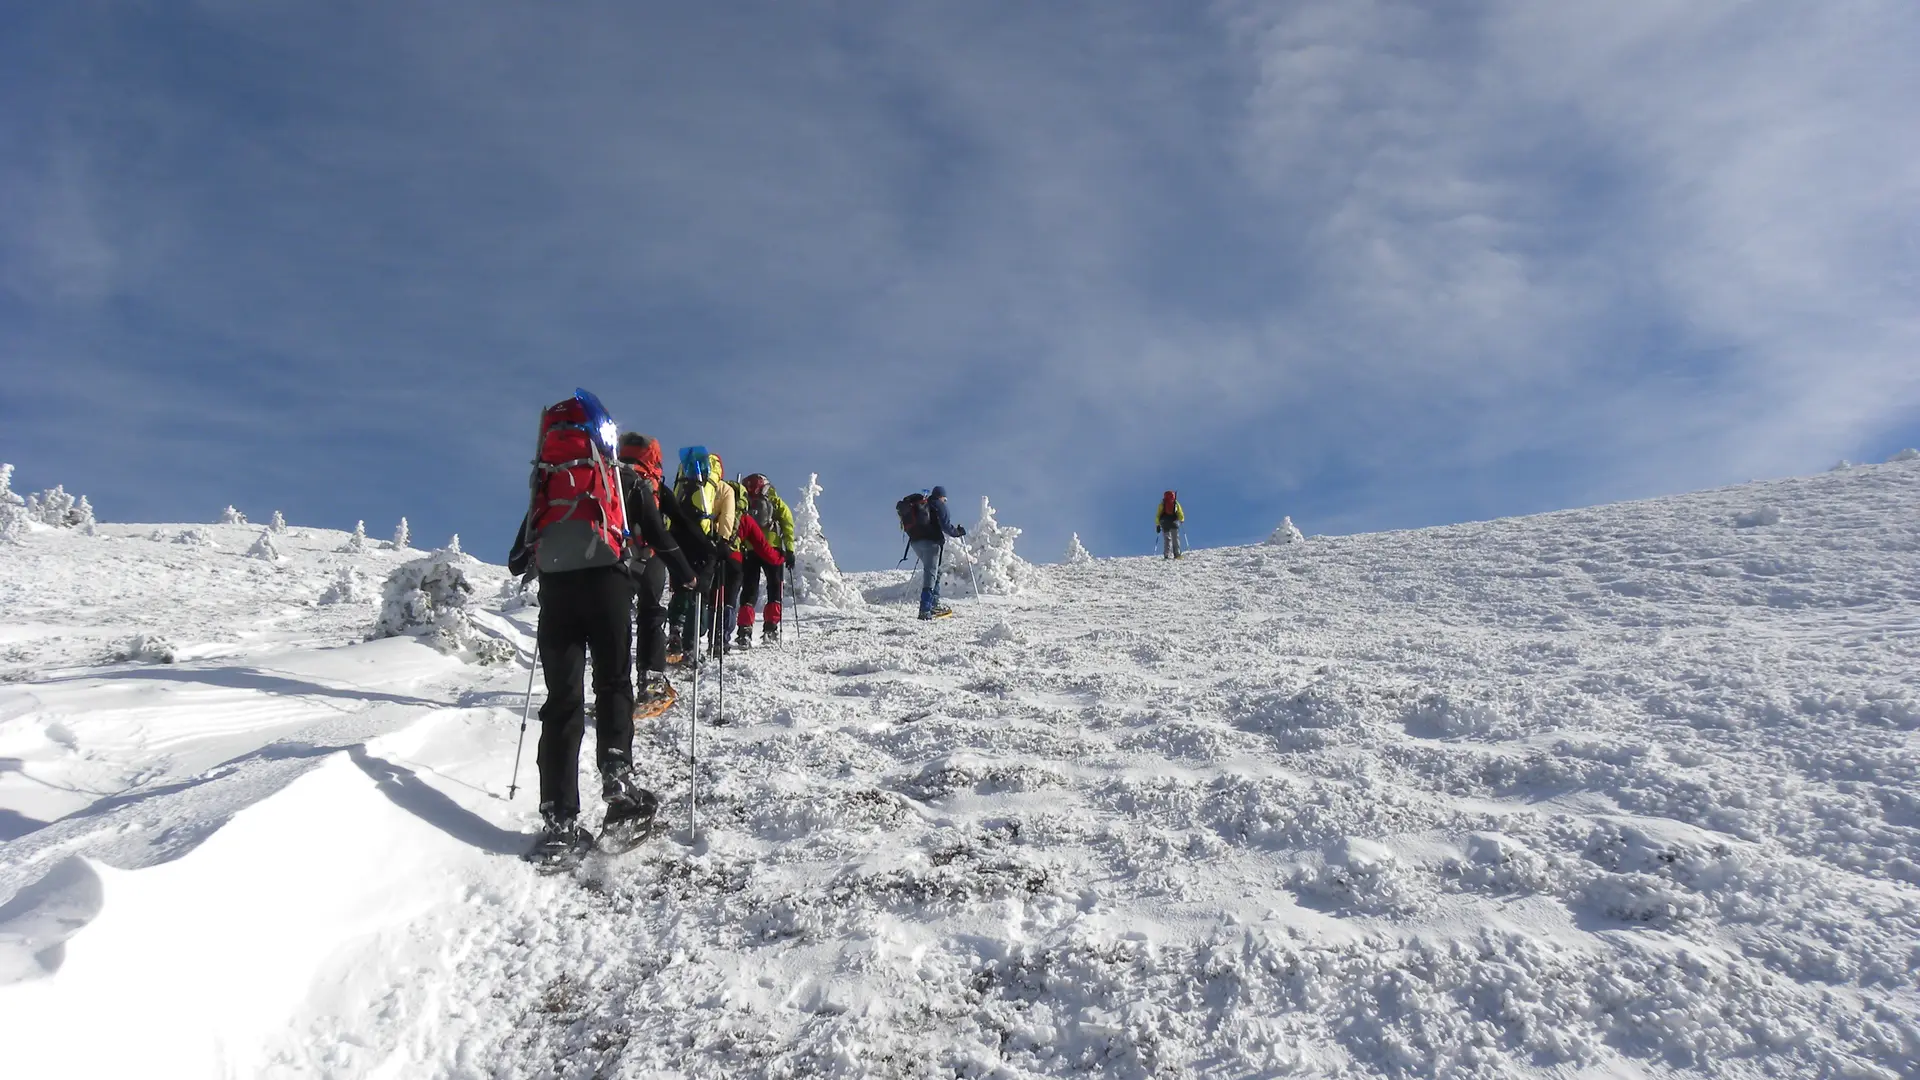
(743, 638)
(627, 801)
(769, 633)
(562, 841)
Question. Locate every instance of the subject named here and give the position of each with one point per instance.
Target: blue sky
(1369, 264)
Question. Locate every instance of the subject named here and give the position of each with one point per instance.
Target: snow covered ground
(1627, 791)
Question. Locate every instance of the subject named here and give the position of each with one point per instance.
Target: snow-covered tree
(1285, 533)
(264, 548)
(453, 545)
(431, 598)
(278, 524)
(986, 558)
(81, 516)
(349, 586)
(357, 543)
(231, 516)
(1077, 552)
(816, 577)
(1909, 454)
(13, 509)
(52, 507)
(402, 537)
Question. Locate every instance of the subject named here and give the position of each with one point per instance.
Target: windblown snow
(1626, 791)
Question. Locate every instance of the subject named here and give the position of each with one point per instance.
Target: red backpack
(578, 518)
(1167, 504)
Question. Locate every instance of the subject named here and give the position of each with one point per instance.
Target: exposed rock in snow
(1285, 533)
(1077, 552)
(232, 516)
(429, 598)
(817, 580)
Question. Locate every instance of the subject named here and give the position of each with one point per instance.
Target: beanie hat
(938, 492)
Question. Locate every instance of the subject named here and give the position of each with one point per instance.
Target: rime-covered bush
(1077, 552)
(453, 545)
(195, 537)
(144, 648)
(264, 548)
(816, 577)
(1285, 533)
(81, 516)
(349, 586)
(402, 537)
(278, 524)
(1909, 454)
(984, 559)
(430, 598)
(357, 543)
(231, 516)
(13, 509)
(517, 593)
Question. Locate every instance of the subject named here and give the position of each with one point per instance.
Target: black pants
(584, 611)
(726, 586)
(651, 651)
(750, 571)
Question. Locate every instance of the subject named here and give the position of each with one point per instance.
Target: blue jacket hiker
(929, 542)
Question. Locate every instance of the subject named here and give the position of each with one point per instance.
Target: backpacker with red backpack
(577, 518)
(1169, 507)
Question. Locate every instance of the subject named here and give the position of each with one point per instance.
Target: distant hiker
(1167, 521)
(656, 556)
(729, 574)
(575, 537)
(925, 520)
(766, 514)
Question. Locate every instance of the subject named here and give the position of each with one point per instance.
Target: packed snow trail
(1632, 790)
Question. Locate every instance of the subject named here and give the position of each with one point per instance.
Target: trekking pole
(693, 732)
(526, 712)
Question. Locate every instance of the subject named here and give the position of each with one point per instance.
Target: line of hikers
(607, 535)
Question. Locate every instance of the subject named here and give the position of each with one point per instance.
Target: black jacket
(643, 520)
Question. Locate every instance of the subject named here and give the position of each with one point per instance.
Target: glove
(960, 530)
(790, 560)
(1156, 528)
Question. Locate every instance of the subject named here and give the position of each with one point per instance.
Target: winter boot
(940, 611)
(743, 638)
(926, 604)
(769, 633)
(626, 800)
(656, 696)
(562, 841)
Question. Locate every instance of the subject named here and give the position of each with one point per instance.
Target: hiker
(574, 536)
(927, 525)
(728, 574)
(691, 512)
(1167, 521)
(766, 514)
(656, 556)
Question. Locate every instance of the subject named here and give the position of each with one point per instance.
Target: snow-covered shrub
(430, 598)
(1909, 454)
(52, 507)
(13, 509)
(516, 594)
(357, 543)
(231, 516)
(816, 578)
(984, 559)
(453, 545)
(1364, 876)
(278, 524)
(195, 537)
(349, 586)
(1285, 533)
(1077, 552)
(401, 537)
(1752, 519)
(81, 516)
(264, 548)
(146, 648)
(1841, 466)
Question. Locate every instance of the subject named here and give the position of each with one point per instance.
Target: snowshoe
(656, 696)
(941, 612)
(630, 807)
(675, 658)
(620, 837)
(561, 845)
(743, 639)
(770, 634)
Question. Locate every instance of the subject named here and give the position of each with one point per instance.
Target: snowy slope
(1625, 791)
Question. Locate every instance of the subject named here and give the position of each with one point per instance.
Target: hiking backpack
(1169, 505)
(915, 517)
(578, 517)
(690, 486)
